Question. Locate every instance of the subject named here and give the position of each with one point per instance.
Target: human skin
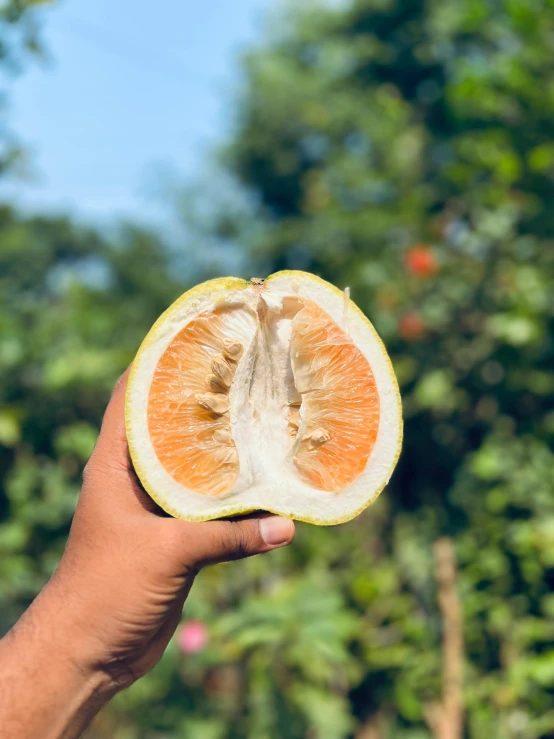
(107, 614)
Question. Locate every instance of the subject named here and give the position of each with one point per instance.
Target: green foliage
(404, 148)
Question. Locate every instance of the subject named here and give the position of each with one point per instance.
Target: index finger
(109, 475)
(113, 438)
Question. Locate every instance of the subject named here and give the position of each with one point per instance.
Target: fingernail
(276, 531)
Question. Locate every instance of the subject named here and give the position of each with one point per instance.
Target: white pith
(267, 479)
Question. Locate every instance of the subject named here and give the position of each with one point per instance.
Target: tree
(19, 39)
(405, 149)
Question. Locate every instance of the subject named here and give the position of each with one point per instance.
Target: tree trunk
(445, 719)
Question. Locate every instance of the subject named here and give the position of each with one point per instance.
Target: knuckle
(88, 472)
(175, 545)
(121, 381)
(106, 463)
(168, 549)
(240, 539)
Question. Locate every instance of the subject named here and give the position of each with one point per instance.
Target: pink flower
(192, 637)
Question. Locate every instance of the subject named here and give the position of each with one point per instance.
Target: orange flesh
(182, 432)
(340, 397)
(334, 379)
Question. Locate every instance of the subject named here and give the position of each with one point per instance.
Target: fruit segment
(188, 405)
(340, 402)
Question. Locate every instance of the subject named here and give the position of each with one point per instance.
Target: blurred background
(402, 147)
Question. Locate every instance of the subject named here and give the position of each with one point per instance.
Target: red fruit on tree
(421, 261)
(411, 327)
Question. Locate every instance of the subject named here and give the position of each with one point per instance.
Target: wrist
(47, 671)
(63, 625)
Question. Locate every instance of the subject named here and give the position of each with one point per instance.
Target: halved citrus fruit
(271, 394)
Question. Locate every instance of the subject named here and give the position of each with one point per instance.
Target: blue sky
(132, 88)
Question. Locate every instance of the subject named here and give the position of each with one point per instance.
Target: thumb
(220, 541)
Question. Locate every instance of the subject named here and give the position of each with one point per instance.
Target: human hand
(116, 598)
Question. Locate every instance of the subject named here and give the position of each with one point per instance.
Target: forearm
(45, 692)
